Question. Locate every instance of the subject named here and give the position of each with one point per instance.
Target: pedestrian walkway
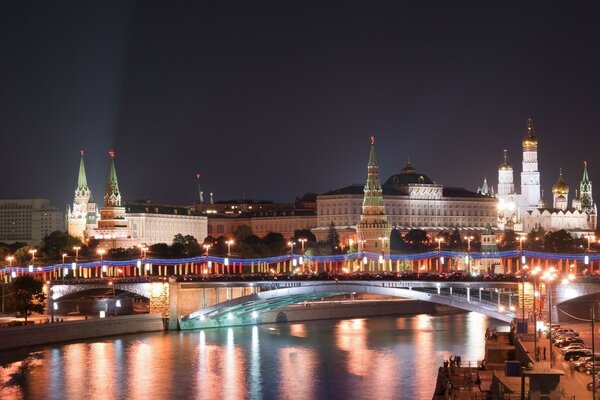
(573, 383)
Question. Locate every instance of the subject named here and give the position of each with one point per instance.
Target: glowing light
(202, 317)
(73, 266)
(254, 314)
(230, 316)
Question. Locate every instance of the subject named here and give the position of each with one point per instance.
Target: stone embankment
(42, 334)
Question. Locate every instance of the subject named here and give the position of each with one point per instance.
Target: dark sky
(271, 100)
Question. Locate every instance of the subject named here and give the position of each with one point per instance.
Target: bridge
(194, 303)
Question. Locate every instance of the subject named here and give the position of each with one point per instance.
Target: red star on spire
(372, 139)
(585, 163)
(111, 153)
(198, 176)
(81, 151)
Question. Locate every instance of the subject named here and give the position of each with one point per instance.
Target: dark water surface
(363, 358)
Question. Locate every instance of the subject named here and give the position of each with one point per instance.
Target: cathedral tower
(530, 176)
(505, 177)
(560, 193)
(373, 229)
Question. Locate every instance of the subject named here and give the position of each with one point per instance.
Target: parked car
(589, 385)
(579, 364)
(575, 354)
(567, 341)
(588, 367)
(573, 346)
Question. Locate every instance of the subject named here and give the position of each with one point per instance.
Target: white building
(411, 200)
(154, 223)
(28, 220)
(528, 210)
(82, 217)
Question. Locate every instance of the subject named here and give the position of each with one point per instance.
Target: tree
(396, 241)
(22, 255)
(241, 233)
(535, 239)
(455, 241)
(333, 239)
(304, 234)
(275, 242)
(559, 242)
(417, 240)
(509, 240)
(160, 250)
(188, 244)
(57, 243)
(29, 297)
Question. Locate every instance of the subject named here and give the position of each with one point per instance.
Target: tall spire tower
(373, 229)
(530, 177)
(113, 229)
(77, 218)
(199, 193)
(585, 190)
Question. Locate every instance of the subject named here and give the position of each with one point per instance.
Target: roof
(152, 208)
(462, 192)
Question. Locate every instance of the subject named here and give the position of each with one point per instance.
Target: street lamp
(383, 240)
(229, 243)
(10, 260)
(548, 277)
(469, 238)
(535, 274)
(521, 238)
(525, 268)
(440, 240)
(206, 247)
(101, 253)
(303, 241)
(32, 252)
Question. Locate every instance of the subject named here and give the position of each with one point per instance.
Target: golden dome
(530, 140)
(560, 187)
(505, 165)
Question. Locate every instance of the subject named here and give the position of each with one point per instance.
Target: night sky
(272, 100)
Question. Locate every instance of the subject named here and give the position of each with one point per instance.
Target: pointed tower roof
(112, 195)
(530, 141)
(585, 178)
(82, 178)
(560, 187)
(372, 156)
(199, 193)
(505, 165)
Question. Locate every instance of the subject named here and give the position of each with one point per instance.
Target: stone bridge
(203, 304)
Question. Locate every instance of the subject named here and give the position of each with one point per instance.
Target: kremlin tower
(82, 217)
(373, 230)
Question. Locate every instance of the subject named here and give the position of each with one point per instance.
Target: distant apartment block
(28, 220)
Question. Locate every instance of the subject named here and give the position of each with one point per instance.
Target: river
(363, 358)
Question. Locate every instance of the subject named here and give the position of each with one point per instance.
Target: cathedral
(528, 210)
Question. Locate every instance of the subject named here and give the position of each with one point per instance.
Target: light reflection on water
(381, 358)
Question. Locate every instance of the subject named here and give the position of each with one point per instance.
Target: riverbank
(42, 334)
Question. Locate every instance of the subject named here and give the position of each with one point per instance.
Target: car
(561, 331)
(575, 354)
(588, 367)
(589, 385)
(567, 341)
(573, 346)
(579, 364)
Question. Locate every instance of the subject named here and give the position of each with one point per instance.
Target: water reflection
(382, 358)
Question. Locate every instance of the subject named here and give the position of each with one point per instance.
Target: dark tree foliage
(121, 254)
(397, 243)
(57, 243)
(276, 243)
(454, 241)
(187, 245)
(559, 242)
(509, 240)
(535, 240)
(28, 294)
(304, 234)
(417, 240)
(333, 239)
(160, 250)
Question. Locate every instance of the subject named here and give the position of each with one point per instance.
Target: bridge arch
(247, 309)
(142, 289)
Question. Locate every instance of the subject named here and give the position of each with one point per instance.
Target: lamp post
(303, 241)
(525, 268)
(439, 240)
(64, 255)
(101, 253)
(548, 277)
(229, 243)
(76, 248)
(32, 252)
(10, 260)
(381, 259)
(291, 244)
(469, 238)
(522, 257)
(535, 273)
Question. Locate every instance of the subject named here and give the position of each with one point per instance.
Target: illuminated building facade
(83, 215)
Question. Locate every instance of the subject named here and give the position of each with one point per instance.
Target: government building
(407, 200)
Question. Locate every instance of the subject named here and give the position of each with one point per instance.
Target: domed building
(412, 200)
(560, 193)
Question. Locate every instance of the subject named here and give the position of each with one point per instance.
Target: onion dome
(560, 187)
(529, 141)
(505, 165)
